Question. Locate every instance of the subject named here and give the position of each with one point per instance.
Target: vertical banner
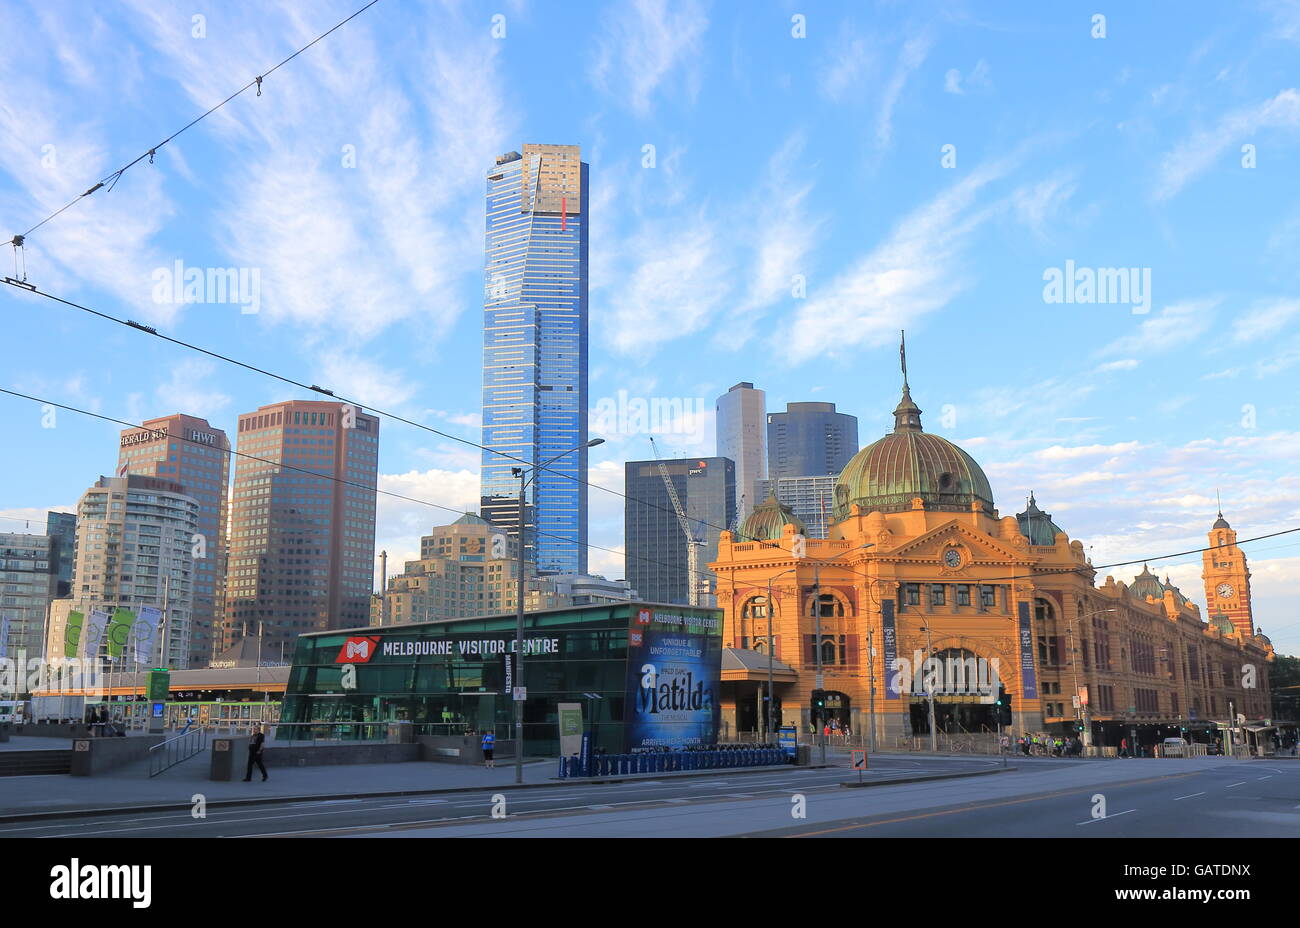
(144, 632)
(119, 631)
(4, 636)
(674, 673)
(1028, 680)
(892, 674)
(94, 633)
(72, 633)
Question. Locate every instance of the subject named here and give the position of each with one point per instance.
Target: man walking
(489, 743)
(255, 747)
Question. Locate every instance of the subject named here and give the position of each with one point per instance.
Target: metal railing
(169, 753)
(340, 732)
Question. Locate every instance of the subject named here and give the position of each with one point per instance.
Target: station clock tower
(1227, 579)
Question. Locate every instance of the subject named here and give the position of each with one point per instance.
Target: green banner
(159, 685)
(72, 633)
(119, 630)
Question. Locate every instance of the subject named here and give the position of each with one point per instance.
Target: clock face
(1225, 590)
(952, 558)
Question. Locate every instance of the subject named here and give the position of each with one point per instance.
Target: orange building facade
(922, 587)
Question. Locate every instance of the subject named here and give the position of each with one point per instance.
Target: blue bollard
(659, 763)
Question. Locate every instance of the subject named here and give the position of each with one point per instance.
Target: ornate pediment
(956, 547)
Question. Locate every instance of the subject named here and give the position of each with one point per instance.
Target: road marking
(675, 802)
(425, 802)
(978, 806)
(1231, 785)
(600, 807)
(1104, 817)
(1269, 777)
(1190, 796)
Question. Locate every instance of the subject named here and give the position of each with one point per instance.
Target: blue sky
(353, 186)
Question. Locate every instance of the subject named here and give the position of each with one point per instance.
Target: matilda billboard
(674, 669)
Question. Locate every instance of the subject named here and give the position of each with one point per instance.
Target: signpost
(859, 763)
(788, 737)
(159, 686)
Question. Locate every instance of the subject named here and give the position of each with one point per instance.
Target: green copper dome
(1223, 624)
(1146, 584)
(1179, 598)
(768, 521)
(887, 475)
(1037, 525)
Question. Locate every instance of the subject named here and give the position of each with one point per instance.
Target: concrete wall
(61, 730)
(462, 749)
(229, 757)
(93, 756)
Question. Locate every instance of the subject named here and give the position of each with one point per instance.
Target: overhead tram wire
(111, 179)
(594, 547)
(150, 330)
(339, 480)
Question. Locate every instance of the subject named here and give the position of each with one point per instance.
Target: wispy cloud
(1265, 320)
(915, 271)
(910, 58)
(643, 46)
(1177, 325)
(1195, 154)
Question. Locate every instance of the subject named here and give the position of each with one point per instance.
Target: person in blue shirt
(489, 742)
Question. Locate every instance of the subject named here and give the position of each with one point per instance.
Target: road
(1194, 797)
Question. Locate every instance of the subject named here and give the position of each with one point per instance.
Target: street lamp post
(929, 690)
(1082, 710)
(526, 476)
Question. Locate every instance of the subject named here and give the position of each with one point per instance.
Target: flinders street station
(923, 590)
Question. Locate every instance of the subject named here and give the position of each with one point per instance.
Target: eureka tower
(535, 351)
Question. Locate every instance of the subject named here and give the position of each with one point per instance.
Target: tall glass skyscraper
(535, 350)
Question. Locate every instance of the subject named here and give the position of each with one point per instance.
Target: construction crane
(694, 582)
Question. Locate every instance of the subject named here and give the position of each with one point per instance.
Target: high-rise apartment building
(809, 439)
(29, 580)
(535, 350)
(741, 438)
(302, 522)
(655, 546)
(186, 450)
(135, 537)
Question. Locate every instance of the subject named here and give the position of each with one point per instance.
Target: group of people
(833, 728)
(1049, 745)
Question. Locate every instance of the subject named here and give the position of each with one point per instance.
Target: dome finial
(907, 416)
(902, 355)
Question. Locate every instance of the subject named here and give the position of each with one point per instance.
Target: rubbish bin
(803, 755)
(401, 733)
(4, 731)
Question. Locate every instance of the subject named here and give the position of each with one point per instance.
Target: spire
(907, 415)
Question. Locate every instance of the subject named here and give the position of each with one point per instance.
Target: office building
(62, 529)
(655, 546)
(186, 450)
(812, 499)
(535, 351)
(809, 440)
(135, 537)
(742, 438)
(302, 521)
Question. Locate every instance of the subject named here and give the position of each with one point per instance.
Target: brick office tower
(187, 451)
(302, 544)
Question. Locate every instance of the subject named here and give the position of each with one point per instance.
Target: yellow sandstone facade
(922, 584)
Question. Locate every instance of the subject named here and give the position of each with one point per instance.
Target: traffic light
(819, 699)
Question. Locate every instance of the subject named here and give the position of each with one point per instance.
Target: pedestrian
(489, 743)
(1123, 747)
(256, 745)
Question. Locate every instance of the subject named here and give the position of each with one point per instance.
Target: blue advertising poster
(1027, 677)
(789, 741)
(892, 674)
(674, 673)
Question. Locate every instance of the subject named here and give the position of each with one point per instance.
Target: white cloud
(1177, 325)
(849, 65)
(977, 80)
(366, 382)
(912, 273)
(185, 391)
(1063, 453)
(1040, 204)
(1195, 154)
(1126, 364)
(1264, 320)
(643, 43)
(909, 59)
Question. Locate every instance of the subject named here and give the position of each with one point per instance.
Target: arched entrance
(835, 711)
(966, 691)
